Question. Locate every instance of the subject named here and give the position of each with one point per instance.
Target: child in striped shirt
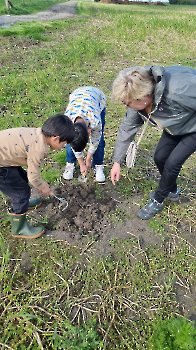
(87, 106)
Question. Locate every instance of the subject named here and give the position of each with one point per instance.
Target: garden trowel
(62, 200)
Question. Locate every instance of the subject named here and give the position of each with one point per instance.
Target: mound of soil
(81, 214)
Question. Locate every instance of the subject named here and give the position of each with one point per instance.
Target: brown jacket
(24, 147)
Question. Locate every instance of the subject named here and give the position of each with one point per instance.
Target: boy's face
(60, 145)
(55, 144)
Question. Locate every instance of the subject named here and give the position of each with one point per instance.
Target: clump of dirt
(84, 214)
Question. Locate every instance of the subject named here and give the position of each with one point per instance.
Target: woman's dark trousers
(170, 155)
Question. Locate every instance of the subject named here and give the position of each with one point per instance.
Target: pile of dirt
(84, 215)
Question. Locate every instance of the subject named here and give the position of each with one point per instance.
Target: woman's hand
(115, 172)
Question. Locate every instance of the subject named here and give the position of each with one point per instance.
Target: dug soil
(99, 216)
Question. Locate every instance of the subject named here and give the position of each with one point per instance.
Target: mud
(84, 215)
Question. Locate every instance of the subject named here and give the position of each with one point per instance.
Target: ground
(58, 11)
(97, 214)
(88, 217)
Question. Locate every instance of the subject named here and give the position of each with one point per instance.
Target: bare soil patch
(58, 11)
(91, 219)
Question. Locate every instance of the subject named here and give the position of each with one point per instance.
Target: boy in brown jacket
(28, 147)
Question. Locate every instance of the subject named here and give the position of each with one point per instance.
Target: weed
(173, 333)
(61, 158)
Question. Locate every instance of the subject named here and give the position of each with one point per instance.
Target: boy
(29, 146)
(87, 106)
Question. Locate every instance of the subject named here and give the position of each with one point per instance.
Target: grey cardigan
(173, 110)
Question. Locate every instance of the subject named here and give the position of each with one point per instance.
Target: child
(87, 106)
(29, 146)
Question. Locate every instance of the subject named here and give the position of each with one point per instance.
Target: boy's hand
(88, 164)
(115, 172)
(83, 169)
(88, 161)
(46, 190)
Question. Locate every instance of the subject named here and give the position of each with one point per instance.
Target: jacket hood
(159, 83)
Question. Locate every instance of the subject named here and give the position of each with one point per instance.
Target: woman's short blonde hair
(132, 84)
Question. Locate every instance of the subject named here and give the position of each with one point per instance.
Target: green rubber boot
(34, 203)
(21, 228)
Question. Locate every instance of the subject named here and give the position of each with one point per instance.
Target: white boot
(100, 177)
(69, 171)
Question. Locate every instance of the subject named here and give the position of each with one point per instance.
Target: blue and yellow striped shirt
(88, 102)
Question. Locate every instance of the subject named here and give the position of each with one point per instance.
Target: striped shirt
(88, 102)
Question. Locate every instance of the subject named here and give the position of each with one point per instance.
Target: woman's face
(139, 104)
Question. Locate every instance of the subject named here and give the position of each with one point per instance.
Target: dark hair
(59, 125)
(81, 137)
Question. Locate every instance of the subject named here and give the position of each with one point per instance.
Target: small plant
(61, 158)
(119, 215)
(172, 334)
(51, 175)
(77, 337)
(99, 192)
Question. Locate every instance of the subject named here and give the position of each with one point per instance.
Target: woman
(167, 96)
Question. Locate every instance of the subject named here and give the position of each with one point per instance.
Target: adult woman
(167, 96)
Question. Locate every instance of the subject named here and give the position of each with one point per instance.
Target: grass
(67, 287)
(25, 7)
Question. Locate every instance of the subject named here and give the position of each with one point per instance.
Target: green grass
(25, 7)
(67, 286)
(41, 64)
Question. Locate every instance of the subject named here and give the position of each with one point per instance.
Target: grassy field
(24, 7)
(41, 64)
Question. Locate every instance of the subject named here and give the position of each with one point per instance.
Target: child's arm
(34, 160)
(88, 160)
(96, 134)
(83, 167)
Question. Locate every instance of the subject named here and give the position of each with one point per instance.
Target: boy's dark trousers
(14, 183)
